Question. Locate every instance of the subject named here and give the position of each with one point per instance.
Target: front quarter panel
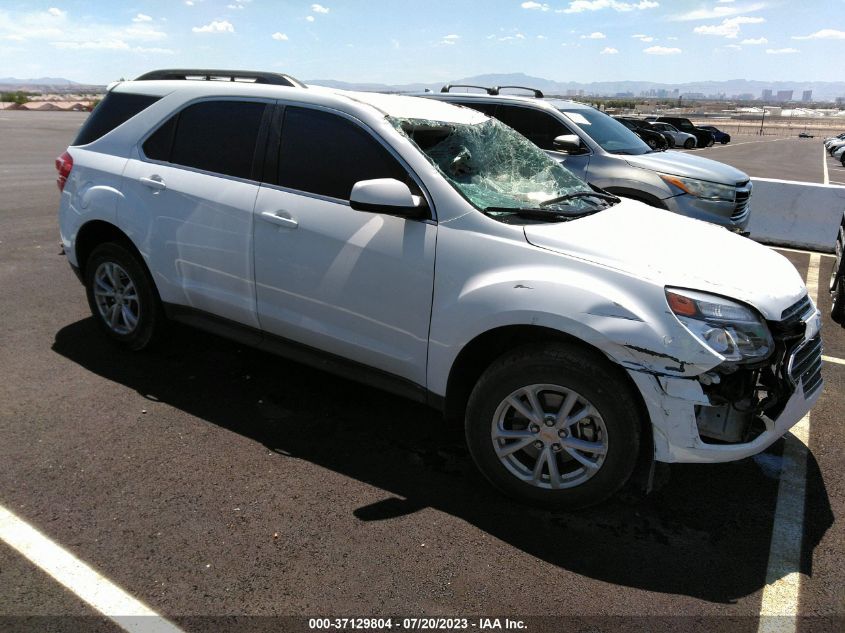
(491, 278)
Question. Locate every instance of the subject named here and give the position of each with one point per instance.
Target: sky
(396, 42)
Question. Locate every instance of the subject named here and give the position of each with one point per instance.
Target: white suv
(436, 253)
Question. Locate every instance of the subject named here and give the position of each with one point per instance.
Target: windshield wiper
(601, 195)
(538, 213)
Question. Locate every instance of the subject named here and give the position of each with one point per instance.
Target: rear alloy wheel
(689, 143)
(553, 426)
(652, 143)
(121, 296)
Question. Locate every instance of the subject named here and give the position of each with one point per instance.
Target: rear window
(115, 109)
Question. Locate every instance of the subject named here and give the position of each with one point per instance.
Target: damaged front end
(742, 396)
(770, 378)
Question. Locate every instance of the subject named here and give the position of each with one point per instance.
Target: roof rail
(537, 93)
(448, 87)
(206, 74)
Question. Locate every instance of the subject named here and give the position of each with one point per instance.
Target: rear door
(190, 193)
(352, 283)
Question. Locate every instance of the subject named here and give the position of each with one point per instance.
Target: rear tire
(689, 143)
(554, 426)
(725, 142)
(837, 285)
(122, 296)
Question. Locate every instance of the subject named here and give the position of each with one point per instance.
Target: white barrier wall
(796, 214)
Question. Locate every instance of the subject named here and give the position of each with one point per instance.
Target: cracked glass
(497, 169)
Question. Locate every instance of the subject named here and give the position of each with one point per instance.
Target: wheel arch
(485, 348)
(95, 232)
(636, 194)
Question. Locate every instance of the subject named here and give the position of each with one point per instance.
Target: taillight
(64, 164)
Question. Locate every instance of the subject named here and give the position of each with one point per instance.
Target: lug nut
(550, 421)
(563, 433)
(556, 448)
(534, 428)
(538, 444)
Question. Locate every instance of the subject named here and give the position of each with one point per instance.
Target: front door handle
(281, 218)
(153, 182)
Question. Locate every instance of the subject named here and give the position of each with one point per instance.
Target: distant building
(807, 95)
(745, 96)
(840, 100)
(784, 95)
(767, 95)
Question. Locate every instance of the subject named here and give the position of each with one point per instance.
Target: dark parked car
(704, 138)
(720, 137)
(806, 135)
(652, 138)
(837, 277)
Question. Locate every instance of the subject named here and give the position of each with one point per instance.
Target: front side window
(538, 127)
(499, 171)
(609, 133)
(326, 154)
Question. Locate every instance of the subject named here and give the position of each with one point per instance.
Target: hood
(672, 250)
(689, 166)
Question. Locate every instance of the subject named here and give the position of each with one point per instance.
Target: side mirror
(387, 195)
(568, 143)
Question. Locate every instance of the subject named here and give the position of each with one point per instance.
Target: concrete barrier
(796, 214)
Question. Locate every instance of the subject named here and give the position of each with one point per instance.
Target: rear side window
(115, 109)
(326, 154)
(217, 136)
(538, 127)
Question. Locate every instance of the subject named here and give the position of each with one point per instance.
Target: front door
(351, 283)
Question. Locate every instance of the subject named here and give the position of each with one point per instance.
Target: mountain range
(822, 90)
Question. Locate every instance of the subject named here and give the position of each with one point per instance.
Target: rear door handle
(153, 182)
(281, 218)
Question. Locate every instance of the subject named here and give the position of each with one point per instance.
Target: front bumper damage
(720, 417)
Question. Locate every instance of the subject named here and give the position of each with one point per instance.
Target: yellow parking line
(831, 359)
(779, 604)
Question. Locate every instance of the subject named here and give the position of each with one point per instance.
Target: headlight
(730, 329)
(701, 188)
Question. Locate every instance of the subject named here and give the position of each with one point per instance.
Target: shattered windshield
(501, 172)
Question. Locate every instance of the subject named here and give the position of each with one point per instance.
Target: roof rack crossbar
(537, 93)
(489, 91)
(207, 74)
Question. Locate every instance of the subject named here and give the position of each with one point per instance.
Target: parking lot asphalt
(783, 158)
(209, 479)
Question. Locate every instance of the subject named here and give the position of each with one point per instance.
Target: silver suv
(603, 152)
(435, 252)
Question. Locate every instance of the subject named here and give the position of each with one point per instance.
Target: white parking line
(107, 598)
(732, 144)
(779, 604)
(835, 361)
(824, 165)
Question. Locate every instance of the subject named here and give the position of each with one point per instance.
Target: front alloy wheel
(549, 436)
(554, 425)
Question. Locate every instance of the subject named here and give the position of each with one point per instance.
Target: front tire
(122, 297)
(689, 143)
(554, 426)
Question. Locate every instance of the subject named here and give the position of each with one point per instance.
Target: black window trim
(260, 144)
(275, 140)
